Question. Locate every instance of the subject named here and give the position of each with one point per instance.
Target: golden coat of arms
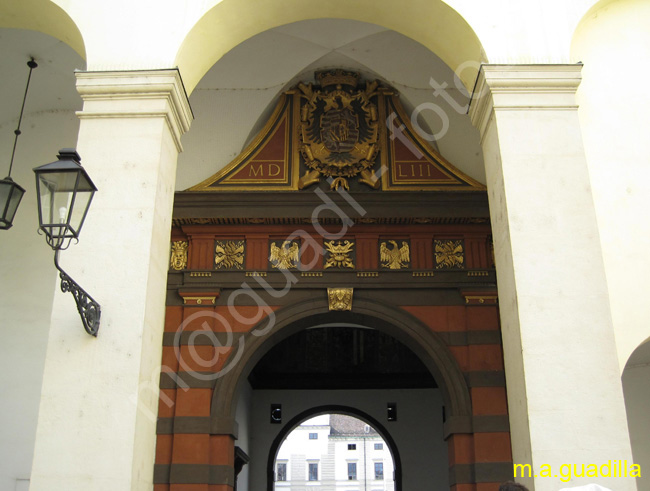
(339, 130)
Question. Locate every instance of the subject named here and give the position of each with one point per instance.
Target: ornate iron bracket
(89, 309)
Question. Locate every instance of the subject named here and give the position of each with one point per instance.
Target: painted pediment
(339, 133)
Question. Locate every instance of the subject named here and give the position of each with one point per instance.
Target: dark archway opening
(358, 371)
(339, 357)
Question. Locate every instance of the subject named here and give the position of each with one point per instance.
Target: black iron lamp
(10, 195)
(65, 191)
(10, 192)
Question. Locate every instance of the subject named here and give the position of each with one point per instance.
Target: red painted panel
(222, 450)
(422, 252)
(191, 449)
(492, 447)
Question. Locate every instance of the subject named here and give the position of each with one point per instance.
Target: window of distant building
(313, 436)
(379, 470)
(352, 471)
(379, 446)
(313, 471)
(352, 446)
(281, 472)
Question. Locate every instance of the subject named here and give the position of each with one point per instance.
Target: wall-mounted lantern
(65, 191)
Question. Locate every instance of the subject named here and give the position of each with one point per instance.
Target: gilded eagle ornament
(286, 256)
(394, 257)
(339, 130)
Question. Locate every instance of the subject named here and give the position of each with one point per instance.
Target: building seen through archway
(337, 451)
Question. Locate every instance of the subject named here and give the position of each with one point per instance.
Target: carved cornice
(137, 94)
(523, 87)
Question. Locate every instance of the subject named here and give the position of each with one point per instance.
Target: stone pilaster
(97, 421)
(564, 390)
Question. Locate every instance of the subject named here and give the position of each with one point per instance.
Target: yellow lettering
(607, 466)
(412, 170)
(524, 468)
(635, 470)
(545, 470)
(399, 169)
(272, 167)
(575, 470)
(565, 472)
(592, 470)
(253, 171)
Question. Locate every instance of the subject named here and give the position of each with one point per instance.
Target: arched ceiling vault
(234, 99)
(43, 16)
(432, 23)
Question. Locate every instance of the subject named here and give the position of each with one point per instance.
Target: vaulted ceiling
(236, 96)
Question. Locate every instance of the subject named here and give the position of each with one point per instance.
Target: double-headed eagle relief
(339, 130)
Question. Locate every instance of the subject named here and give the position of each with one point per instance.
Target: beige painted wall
(612, 42)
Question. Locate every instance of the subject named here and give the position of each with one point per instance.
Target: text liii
(414, 170)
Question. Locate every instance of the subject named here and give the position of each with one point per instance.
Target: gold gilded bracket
(340, 298)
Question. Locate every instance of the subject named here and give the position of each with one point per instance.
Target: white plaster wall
(298, 441)
(365, 465)
(559, 347)
(28, 278)
(100, 395)
(417, 432)
(614, 107)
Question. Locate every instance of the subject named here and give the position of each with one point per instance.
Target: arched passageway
(336, 367)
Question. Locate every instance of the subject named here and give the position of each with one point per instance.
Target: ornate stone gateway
(248, 269)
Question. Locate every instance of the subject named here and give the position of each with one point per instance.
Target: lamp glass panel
(55, 205)
(14, 201)
(10, 196)
(79, 209)
(5, 196)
